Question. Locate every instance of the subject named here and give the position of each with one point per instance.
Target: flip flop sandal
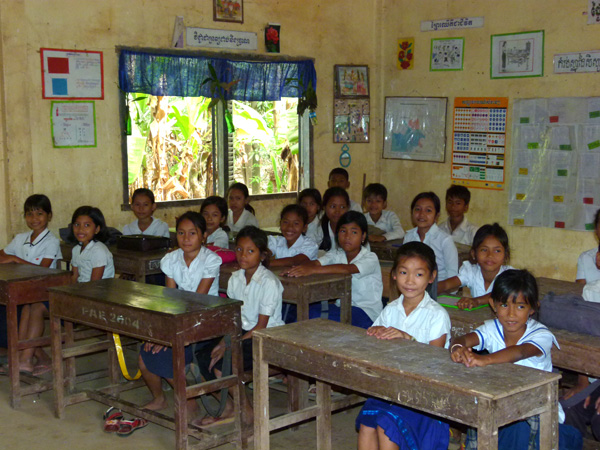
(112, 420)
(41, 369)
(127, 427)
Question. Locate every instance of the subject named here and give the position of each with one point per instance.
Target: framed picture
(351, 81)
(447, 54)
(228, 11)
(517, 55)
(351, 120)
(415, 128)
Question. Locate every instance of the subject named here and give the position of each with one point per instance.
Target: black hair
(496, 231)
(244, 190)
(37, 201)
(510, 283)
(312, 193)
(97, 217)
(339, 171)
(357, 218)
(460, 192)
(431, 196)
(221, 205)
(413, 250)
(329, 194)
(597, 219)
(377, 190)
(195, 217)
(260, 239)
(296, 209)
(142, 191)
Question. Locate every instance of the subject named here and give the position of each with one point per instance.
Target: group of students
(332, 228)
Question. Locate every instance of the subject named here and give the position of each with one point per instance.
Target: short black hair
(244, 190)
(492, 230)
(377, 190)
(460, 192)
(357, 218)
(597, 219)
(143, 191)
(97, 217)
(339, 171)
(312, 193)
(510, 283)
(219, 202)
(296, 209)
(329, 194)
(431, 196)
(193, 216)
(409, 250)
(37, 201)
(260, 239)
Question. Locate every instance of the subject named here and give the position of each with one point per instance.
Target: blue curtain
(182, 75)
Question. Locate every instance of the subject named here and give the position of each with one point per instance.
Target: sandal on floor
(112, 420)
(41, 369)
(127, 427)
(210, 421)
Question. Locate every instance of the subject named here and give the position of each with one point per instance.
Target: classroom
(329, 33)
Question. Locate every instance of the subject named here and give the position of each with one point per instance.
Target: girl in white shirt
(293, 247)
(335, 204)
(313, 203)
(588, 264)
(240, 211)
(214, 211)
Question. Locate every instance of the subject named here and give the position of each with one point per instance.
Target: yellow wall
(335, 32)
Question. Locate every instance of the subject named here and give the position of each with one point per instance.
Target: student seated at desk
(491, 252)
(240, 211)
(311, 200)
(293, 247)
(339, 177)
(41, 248)
(214, 211)
(351, 257)
(457, 225)
(375, 202)
(335, 204)
(514, 337)
(143, 206)
(414, 316)
(588, 264)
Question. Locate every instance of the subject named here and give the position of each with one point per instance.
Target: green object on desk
(450, 302)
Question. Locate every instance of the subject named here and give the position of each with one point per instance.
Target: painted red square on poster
(588, 201)
(559, 224)
(58, 65)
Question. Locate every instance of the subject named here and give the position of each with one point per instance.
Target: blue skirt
(161, 363)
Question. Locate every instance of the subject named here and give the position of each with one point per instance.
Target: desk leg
(180, 395)
(549, 420)
(12, 331)
(487, 428)
(261, 396)
(57, 366)
(346, 303)
(324, 417)
(298, 388)
(238, 393)
(114, 373)
(70, 371)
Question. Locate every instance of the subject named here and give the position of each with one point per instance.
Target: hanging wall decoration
(406, 53)
(351, 112)
(272, 37)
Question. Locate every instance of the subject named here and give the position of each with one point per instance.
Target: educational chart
(73, 124)
(478, 142)
(73, 74)
(555, 170)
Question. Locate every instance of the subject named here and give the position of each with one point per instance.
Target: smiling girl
(292, 248)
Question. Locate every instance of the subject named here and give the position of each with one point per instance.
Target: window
(181, 148)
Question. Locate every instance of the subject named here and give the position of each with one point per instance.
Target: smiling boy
(375, 203)
(457, 225)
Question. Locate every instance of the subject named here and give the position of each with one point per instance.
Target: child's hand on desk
(467, 303)
(388, 333)
(468, 358)
(217, 354)
(298, 271)
(154, 348)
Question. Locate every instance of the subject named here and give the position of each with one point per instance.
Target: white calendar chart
(478, 142)
(555, 170)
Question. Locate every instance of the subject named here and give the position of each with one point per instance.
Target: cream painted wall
(547, 252)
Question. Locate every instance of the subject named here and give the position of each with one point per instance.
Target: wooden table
(559, 287)
(406, 372)
(139, 264)
(386, 250)
(22, 284)
(161, 315)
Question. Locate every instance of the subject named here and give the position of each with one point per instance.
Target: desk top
(23, 272)
(546, 285)
(67, 250)
(386, 250)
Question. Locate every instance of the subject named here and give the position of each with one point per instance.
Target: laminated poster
(73, 124)
(72, 74)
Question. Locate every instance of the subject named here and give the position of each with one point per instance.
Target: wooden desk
(22, 284)
(139, 264)
(406, 372)
(161, 315)
(386, 250)
(546, 285)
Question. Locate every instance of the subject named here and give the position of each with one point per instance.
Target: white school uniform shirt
(389, 223)
(157, 228)
(462, 234)
(586, 266)
(205, 265)
(470, 275)
(246, 218)
(446, 255)
(491, 338)
(314, 231)
(263, 295)
(218, 238)
(46, 245)
(302, 246)
(426, 323)
(367, 286)
(94, 255)
(354, 206)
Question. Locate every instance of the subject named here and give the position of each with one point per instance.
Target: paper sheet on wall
(73, 124)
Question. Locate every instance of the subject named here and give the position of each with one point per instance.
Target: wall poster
(74, 74)
(73, 124)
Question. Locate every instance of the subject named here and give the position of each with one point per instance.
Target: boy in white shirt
(143, 206)
(339, 177)
(375, 202)
(457, 225)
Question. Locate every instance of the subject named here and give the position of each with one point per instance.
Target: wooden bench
(406, 372)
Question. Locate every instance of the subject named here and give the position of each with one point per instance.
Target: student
(143, 206)
(491, 252)
(261, 291)
(457, 225)
(240, 211)
(293, 247)
(311, 200)
(425, 210)
(375, 202)
(214, 211)
(91, 260)
(335, 204)
(413, 316)
(588, 264)
(191, 268)
(351, 257)
(41, 248)
(339, 177)
(513, 337)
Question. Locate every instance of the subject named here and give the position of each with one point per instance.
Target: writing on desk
(420, 398)
(111, 317)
